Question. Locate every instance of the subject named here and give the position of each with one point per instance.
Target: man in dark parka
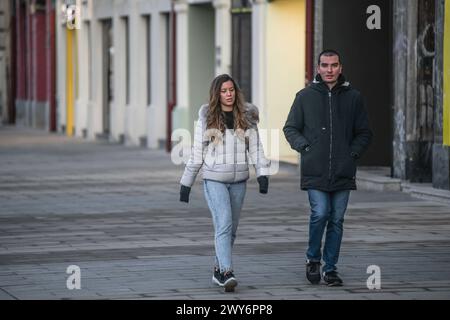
(329, 126)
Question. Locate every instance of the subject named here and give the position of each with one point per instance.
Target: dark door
(366, 56)
(242, 46)
(11, 71)
(107, 75)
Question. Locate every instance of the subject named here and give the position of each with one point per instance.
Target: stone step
(426, 191)
(377, 180)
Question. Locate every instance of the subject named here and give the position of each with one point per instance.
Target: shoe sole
(229, 285)
(335, 284)
(229, 289)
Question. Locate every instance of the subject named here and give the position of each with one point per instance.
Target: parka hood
(319, 85)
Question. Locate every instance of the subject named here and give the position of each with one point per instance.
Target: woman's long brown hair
(215, 117)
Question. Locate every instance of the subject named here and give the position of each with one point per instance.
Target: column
(180, 114)
(259, 57)
(157, 111)
(441, 160)
(223, 36)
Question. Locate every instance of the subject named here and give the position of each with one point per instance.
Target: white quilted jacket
(225, 158)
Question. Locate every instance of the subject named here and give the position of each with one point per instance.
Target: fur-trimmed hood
(215, 135)
(251, 112)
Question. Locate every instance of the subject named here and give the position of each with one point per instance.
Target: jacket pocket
(311, 162)
(345, 167)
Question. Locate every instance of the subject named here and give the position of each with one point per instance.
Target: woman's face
(227, 94)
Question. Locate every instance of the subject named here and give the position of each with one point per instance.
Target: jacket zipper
(331, 134)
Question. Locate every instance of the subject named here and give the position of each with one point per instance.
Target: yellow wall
(285, 64)
(446, 112)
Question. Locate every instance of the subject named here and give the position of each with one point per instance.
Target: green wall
(201, 56)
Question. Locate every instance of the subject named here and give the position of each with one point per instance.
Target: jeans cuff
(312, 260)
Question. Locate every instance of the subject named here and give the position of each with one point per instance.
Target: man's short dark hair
(329, 53)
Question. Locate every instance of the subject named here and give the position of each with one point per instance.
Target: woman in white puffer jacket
(226, 142)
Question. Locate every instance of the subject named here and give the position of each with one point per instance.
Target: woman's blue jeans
(225, 202)
(327, 210)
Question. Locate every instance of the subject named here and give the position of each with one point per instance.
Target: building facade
(7, 61)
(32, 76)
(133, 71)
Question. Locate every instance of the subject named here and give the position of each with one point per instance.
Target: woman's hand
(263, 184)
(184, 193)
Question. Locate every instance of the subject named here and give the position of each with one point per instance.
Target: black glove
(263, 184)
(184, 193)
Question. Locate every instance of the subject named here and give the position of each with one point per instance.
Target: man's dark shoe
(229, 281)
(217, 277)
(332, 279)
(313, 272)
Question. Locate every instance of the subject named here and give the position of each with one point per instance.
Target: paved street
(113, 211)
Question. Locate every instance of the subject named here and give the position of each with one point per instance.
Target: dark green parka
(334, 124)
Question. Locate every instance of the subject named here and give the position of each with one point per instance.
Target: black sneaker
(217, 277)
(313, 272)
(332, 279)
(229, 281)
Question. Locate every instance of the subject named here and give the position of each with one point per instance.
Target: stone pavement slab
(113, 211)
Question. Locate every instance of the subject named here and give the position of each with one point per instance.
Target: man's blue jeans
(327, 210)
(225, 203)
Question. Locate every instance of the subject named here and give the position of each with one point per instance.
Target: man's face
(329, 69)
